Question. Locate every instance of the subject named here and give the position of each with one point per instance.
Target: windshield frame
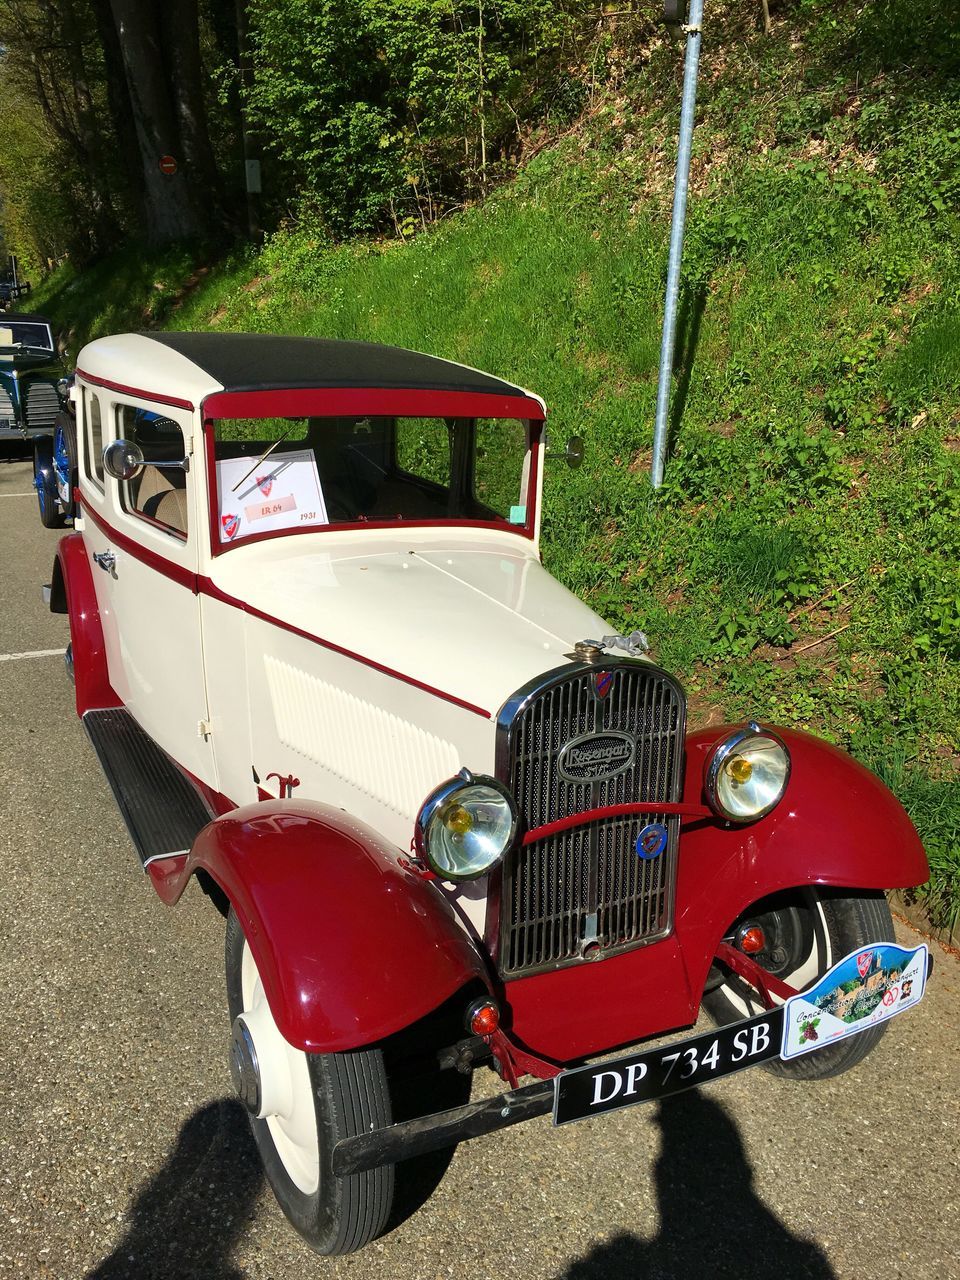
(12, 322)
(526, 410)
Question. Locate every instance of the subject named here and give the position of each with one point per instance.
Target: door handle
(106, 560)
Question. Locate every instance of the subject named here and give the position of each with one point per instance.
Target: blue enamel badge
(652, 841)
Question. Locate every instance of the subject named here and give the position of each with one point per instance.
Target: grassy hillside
(802, 563)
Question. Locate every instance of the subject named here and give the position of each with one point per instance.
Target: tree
(171, 210)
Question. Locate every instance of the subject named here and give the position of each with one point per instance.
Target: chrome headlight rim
(722, 751)
(441, 796)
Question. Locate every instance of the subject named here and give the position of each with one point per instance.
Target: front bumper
(761, 1036)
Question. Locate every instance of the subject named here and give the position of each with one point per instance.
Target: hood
(475, 624)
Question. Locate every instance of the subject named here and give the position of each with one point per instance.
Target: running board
(162, 809)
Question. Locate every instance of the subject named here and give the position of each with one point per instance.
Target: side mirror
(123, 460)
(572, 451)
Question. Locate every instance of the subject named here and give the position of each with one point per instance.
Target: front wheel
(300, 1106)
(805, 932)
(65, 461)
(45, 484)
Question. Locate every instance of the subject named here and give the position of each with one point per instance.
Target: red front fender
(837, 825)
(351, 945)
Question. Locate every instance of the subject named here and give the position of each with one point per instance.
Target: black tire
(807, 931)
(350, 1095)
(67, 427)
(45, 483)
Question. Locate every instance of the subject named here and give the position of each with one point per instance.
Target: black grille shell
(586, 892)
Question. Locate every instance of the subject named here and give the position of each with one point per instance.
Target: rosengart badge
(594, 757)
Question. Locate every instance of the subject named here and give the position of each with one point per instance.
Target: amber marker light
(483, 1018)
(751, 940)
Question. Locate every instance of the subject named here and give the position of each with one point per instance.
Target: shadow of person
(187, 1218)
(711, 1221)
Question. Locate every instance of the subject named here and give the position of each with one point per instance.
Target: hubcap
(275, 1074)
(244, 1068)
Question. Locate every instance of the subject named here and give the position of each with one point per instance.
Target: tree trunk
(121, 107)
(170, 211)
(181, 39)
(106, 228)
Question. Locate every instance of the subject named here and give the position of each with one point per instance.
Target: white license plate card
(866, 987)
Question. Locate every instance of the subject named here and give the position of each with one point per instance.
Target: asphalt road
(122, 1154)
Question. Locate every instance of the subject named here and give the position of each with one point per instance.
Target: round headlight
(747, 774)
(466, 826)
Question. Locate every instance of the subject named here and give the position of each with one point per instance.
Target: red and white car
(452, 820)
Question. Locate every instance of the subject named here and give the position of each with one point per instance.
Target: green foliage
(386, 111)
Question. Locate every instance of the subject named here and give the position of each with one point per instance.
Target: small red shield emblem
(230, 525)
(265, 484)
(864, 961)
(603, 683)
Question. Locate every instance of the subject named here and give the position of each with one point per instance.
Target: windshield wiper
(266, 454)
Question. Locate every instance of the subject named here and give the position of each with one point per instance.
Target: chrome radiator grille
(7, 416)
(43, 405)
(586, 892)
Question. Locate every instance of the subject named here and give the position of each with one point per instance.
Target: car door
(143, 536)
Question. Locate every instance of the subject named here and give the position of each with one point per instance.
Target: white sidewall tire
(347, 1094)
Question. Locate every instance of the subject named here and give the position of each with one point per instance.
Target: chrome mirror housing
(123, 460)
(572, 454)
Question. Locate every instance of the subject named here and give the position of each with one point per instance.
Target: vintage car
(55, 457)
(452, 821)
(29, 375)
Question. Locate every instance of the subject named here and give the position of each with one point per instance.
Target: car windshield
(285, 473)
(20, 335)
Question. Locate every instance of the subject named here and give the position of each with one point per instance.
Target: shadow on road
(711, 1221)
(186, 1220)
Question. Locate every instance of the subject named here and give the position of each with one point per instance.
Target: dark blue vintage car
(29, 372)
(34, 408)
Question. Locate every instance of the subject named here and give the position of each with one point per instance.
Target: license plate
(868, 986)
(658, 1073)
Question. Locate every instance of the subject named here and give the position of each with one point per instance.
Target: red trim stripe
(169, 568)
(138, 392)
(294, 402)
(205, 586)
(615, 811)
(209, 588)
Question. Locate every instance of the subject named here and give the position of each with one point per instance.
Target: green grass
(802, 562)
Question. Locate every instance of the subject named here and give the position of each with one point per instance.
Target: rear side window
(93, 438)
(159, 493)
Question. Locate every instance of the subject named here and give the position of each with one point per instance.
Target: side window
(499, 455)
(93, 438)
(158, 493)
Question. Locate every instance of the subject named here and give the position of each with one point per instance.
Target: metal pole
(251, 159)
(681, 185)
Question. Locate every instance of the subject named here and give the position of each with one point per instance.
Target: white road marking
(34, 653)
(31, 494)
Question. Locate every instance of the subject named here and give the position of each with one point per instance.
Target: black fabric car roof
(268, 362)
(7, 316)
